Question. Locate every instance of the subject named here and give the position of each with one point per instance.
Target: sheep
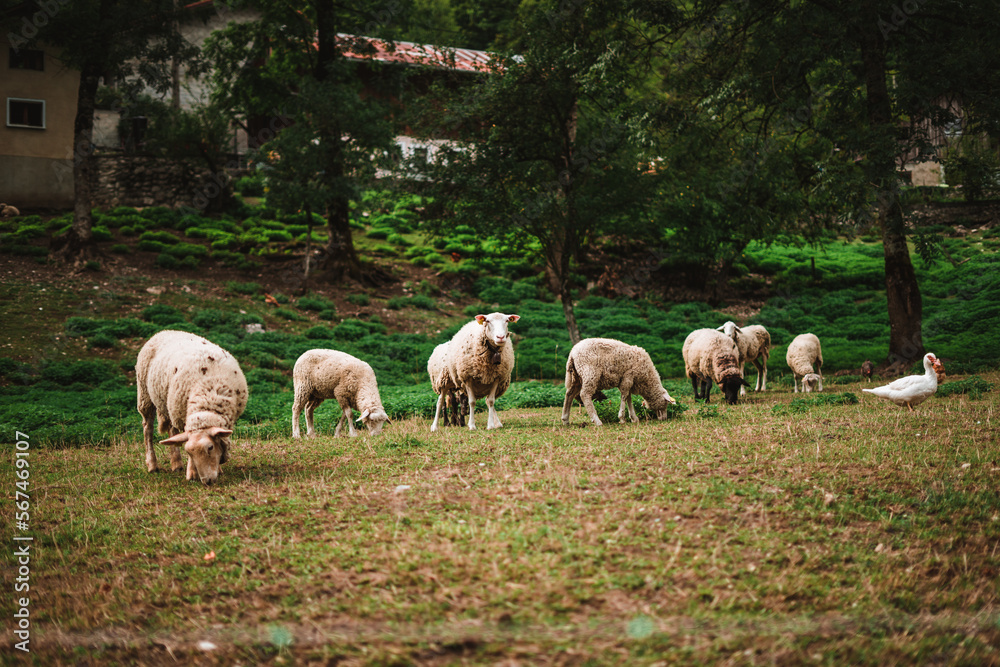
(8, 211)
(803, 352)
(754, 344)
(480, 360)
(867, 369)
(456, 404)
(711, 356)
(322, 374)
(603, 363)
(197, 391)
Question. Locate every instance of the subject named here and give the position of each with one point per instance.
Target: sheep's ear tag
(513, 318)
(481, 319)
(178, 439)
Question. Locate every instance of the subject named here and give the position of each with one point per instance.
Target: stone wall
(150, 181)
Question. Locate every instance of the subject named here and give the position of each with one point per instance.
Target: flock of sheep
(196, 390)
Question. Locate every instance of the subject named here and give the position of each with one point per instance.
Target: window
(25, 113)
(27, 59)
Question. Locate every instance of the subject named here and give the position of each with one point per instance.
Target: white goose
(914, 389)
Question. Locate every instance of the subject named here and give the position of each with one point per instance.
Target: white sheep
(603, 363)
(197, 391)
(455, 402)
(803, 352)
(754, 344)
(8, 211)
(480, 360)
(322, 374)
(711, 356)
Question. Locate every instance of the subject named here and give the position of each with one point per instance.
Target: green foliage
(315, 303)
(251, 185)
(159, 237)
(800, 405)
(973, 386)
(121, 249)
(290, 314)
(250, 288)
(358, 299)
(162, 314)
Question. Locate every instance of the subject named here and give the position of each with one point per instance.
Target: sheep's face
(729, 329)
(496, 327)
(730, 387)
(207, 450)
(374, 420)
(812, 382)
(659, 404)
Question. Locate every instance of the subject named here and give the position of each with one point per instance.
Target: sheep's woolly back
(322, 374)
(470, 361)
(803, 352)
(607, 362)
(193, 384)
(438, 370)
(710, 354)
(758, 342)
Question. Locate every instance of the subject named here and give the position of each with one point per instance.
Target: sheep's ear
(722, 328)
(745, 383)
(364, 415)
(513, 318)
(481, 319)
(217, 432)
(178, 439)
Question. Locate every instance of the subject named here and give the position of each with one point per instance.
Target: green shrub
(121, 249)
(974, 386)
(290, 314)
(358, 299)
(165, 261)
(319, 333)
(398, 240)
(379, 233)
(101, 233)
(250, 186)
(162, 314)
(162, 237)
(250, 288)
(102, 340)
(315, 303)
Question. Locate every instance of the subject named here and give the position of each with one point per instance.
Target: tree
(864, 72)
(291, 62)
(551, 157)
(129, 42)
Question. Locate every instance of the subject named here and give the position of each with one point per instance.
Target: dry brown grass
(859, 534)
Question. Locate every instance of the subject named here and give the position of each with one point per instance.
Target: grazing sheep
(602, 363)
(867, 369)
(456, 403)
(480, 359)
(803, 352)
(754, 344)
(197, 391)
(812, 382)
(711, 356)
(7, 211)
(322, 374)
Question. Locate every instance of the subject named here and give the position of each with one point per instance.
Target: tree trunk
(341, 259)
(80, 236)
(557, 264)
(903, 293)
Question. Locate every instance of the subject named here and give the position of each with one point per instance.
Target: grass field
(769, 532)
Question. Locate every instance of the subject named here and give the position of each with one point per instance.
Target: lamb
(8, 211)
(603, 363)
(754, 344)
(480, 360)
(197, 391)
(456, 403)
(711, 356)
(322, 374)
(803, 352)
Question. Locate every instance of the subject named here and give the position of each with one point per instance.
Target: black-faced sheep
(322, 374)
(480, 360)
(603, 363)
(711, 356)
(803, 352)
(197, 391)
(754, 344)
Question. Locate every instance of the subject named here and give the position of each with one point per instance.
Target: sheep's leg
(310, 419)
(340, 425)
(571, 394)
(148, 431)
(795, 382)
(351, 431)
(587, 399)
(493, 419)
(192, 472)
(175, 458)
(695, 386)
(707, 385)
(437, 412)
(631, 410)
(296, 411)
(743, 389)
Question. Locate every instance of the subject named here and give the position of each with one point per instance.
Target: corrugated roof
(409, 53)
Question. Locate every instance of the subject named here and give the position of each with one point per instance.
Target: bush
(243, 288)
(289, 314)
(161, 237)
(102, 340)
(121, 249)
(162, 314)
(974, 386)
(358, 299)
(319, 333)
(315, 303)
(250, 186)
